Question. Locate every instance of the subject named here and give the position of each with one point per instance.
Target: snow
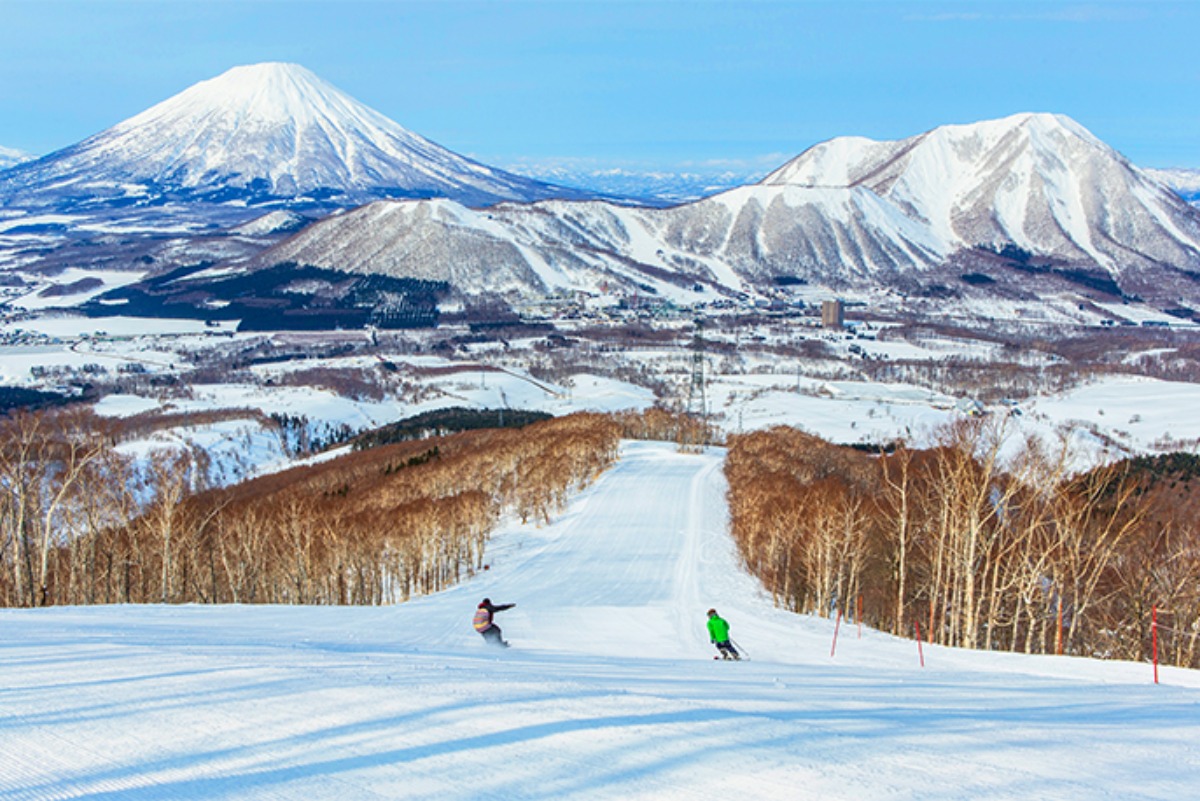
(69, 325)
(841, 411)
(109, 279)
(598, 393)
(1132, 409)
(244, 447)
(680, 184)
(35, 220)
(1031, 179)
(1186, 181)
(124, 405)
(609, 690)
(1106, 418)
(269, 223)
(249, 100)
(272, 122)
(848, 212)
(17, 361)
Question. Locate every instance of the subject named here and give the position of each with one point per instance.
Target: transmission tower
(697, 403)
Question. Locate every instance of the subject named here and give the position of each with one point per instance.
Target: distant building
(970, 407)
(832, 314)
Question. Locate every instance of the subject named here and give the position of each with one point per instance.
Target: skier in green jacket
(718, 634)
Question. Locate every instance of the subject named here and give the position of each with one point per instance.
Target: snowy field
(608, 692)
(1111, 417)
(1108, 418)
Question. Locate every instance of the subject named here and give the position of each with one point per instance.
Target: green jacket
(718, 629)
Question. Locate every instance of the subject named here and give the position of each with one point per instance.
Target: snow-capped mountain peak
(274, 92)
(1039, 181)
(851, 160)
(263, 132)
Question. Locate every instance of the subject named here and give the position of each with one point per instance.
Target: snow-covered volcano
(260, 133)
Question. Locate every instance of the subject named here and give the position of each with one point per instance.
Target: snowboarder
(485, 624)
(718, 634)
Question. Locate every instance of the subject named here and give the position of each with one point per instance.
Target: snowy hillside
(849, 212)
(744, 236)
(609, 690)
(1041, 182)
(260, 133)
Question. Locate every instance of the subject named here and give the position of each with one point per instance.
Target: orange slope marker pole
(920, 650)
(836, 626)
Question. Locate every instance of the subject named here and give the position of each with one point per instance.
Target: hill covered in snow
(741, 239)
(1025, 205)
(1039, 182)
(662, 186)
(607, 691)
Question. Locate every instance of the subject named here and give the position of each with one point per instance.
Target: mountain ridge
(1038, 181)
(1033, 192)
(846, 212)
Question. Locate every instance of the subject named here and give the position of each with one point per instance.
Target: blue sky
(650, 84)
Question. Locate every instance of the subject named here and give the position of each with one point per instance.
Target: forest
(81, 524)
(976, 542)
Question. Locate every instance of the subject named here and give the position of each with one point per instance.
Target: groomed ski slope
(609, 690)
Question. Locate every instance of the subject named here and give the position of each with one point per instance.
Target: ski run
(608, 691)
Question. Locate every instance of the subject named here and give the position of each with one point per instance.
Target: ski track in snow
(609, 690)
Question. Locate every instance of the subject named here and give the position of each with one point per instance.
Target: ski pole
(739, 647)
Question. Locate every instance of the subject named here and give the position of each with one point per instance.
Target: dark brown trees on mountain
(987, 543)
(79, 525)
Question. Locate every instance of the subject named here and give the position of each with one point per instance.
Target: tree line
(977, 542)
(82, 524)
